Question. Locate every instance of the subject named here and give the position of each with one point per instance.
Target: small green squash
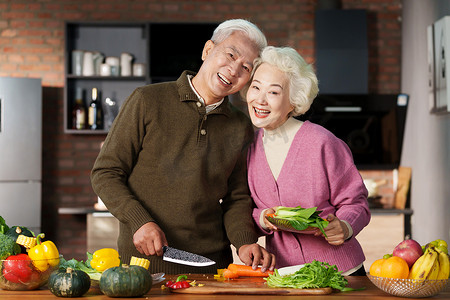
(15, 231)
(69, 283)
(125, 281)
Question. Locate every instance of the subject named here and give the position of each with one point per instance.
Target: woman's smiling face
(268, 97)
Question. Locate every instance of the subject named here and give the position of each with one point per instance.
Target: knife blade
(185, 258)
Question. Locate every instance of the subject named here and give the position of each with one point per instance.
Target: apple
(410, 250)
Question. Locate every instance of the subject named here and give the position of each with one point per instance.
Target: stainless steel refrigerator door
(20, 129)
(20, 204)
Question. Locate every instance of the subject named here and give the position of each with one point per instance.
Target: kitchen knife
(185, 258)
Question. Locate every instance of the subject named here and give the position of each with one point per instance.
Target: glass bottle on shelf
(95, 117)
(79, 111)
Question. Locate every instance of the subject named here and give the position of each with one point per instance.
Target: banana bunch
(433, 264)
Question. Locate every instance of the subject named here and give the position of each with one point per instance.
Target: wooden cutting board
(246, 286)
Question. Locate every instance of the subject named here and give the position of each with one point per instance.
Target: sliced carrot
(242, 270)
(271, 215)
(229, 274)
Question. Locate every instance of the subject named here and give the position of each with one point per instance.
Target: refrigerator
(21, 151)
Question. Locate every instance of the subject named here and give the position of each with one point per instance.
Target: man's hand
(254, 255)
(336, 231)
(149, 239)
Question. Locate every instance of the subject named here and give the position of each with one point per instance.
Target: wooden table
(370, 292)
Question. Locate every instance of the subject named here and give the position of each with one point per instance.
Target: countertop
(370, 292)
(92, 210)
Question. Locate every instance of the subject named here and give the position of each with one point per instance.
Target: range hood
(342, 51)
(371, 125)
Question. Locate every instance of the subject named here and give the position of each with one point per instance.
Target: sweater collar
(187, 94)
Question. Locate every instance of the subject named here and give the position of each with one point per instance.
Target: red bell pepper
(18, 269)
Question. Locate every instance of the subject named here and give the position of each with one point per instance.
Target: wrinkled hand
(149, 239)
(336, 231)
(269, 225)
(254, 255)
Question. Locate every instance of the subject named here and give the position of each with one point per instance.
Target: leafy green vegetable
(302, 218)
(313, 275)
(3, 227)
(80, 265)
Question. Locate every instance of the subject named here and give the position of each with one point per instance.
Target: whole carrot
(242, 270)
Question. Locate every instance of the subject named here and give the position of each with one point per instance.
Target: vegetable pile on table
(104, 268)
(25, 262)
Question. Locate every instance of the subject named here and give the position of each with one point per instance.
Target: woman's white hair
(226, 28)
(303, 83)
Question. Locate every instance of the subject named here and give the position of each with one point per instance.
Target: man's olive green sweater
(165, 160)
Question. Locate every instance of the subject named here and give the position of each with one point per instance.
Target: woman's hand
(149, 239)
(267, 225)
(336, 231)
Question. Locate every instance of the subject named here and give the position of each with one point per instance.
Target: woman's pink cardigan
(318, 172)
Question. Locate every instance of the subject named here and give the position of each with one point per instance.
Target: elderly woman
(294, 163)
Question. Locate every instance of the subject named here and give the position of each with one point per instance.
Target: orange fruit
(395, 267)
(375, 268)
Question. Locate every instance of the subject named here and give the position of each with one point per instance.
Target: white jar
(88, 64)
(113, 62)
(105, 70)
(125, 64)
(138, 70)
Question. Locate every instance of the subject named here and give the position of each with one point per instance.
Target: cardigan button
(199, 104)
(203, 132)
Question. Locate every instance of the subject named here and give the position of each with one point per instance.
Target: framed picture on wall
(439, 65)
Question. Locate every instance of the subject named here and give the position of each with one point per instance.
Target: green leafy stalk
(83, 266)
(312, 275)
(302, 218)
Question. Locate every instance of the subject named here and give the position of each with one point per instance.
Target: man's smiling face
(226, 67)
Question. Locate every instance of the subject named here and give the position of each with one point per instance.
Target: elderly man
(172, 169)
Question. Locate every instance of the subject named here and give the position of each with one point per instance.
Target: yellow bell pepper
(104, 259)
(44, 254)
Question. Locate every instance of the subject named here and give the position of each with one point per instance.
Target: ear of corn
(137, 261)
(26, 241)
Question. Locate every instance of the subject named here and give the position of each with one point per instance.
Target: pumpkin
(125, 281)
(15, 231)
(69, 283)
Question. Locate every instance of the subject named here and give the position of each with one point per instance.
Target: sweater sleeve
(115, 163)
(238, 204)
(347, 191)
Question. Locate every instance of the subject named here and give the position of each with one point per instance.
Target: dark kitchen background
(32, 45)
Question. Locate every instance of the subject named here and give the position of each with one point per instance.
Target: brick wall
(32, 45)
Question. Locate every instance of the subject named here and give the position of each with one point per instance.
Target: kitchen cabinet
(164, 49)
